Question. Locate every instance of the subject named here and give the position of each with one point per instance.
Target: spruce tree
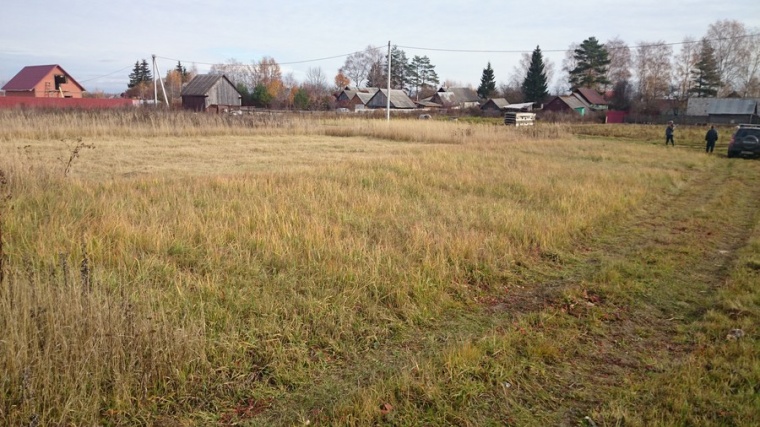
(145, 73)
(140, 73)
(487, 82)
(592, 64)
(134, 76)
(535, 86)
(705, 73)
(181, 70)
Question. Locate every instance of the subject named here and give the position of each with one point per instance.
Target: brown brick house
(43, 81)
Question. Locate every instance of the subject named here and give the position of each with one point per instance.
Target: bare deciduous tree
(569, 63)
(358, 65)
(620, 61)
(653, 71)
(683, 65)
(316, 80)
(236, 71)
(729, 40)
(749, 72)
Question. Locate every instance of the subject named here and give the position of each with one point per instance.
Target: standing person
(711, 137)
(669, 134)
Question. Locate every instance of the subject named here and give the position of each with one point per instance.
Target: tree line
(725, 61)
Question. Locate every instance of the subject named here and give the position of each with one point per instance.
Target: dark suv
(745, 141)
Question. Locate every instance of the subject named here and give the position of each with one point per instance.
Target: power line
(423, 49)
(565, 50)
(279, 63)
(105, 75)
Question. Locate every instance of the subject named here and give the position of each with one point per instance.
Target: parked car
(745, 141)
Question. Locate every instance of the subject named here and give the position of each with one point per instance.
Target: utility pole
(388, 104)
(157, 74)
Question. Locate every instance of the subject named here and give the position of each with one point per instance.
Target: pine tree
(422, 74)
(592, 62)
(487, 83)
(705, 73)
(535, 87)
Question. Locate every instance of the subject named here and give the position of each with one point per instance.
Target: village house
(43, 81)
(399, 100)
(723, 110)
(568, 103)
(591, 97)
(456, 98)
(494, 106)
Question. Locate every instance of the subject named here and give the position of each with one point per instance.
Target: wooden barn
(210, 90)
(494, 106)
(399, 100)
(43, 81)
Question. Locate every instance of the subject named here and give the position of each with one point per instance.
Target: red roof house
(43, 81)
(592, 98)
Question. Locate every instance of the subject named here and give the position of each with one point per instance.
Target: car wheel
(732, 154)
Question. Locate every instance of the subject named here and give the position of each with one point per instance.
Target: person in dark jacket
(711, 138)
(669, 134)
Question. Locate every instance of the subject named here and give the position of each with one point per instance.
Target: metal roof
(521, 106)
(464, 94)
(447, 98)
(30, 76)
(698, 106)
(732, 106)
(399, 98)
(201, 84)
(498, 102)
(591, 96)
(364, 97)
(574, 101)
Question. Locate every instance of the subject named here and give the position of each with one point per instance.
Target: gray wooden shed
(205, 90)
(399, 100)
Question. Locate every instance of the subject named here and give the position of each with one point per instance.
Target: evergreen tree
(399, 69)
(592, 62)
(145, 73)
(487, 82)
(301, 99)
(261, 96)
(245, 94)
(705, 73)
(422, 74)
(140, 73)
(134, 76)
(535, 87)
(182, 71)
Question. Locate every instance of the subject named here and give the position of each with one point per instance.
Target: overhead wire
(431, 49)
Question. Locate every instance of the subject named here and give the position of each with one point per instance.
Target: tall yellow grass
(210, 284)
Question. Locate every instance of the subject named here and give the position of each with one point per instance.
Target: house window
(59, 80)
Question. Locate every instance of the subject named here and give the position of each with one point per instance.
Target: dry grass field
(181, 269)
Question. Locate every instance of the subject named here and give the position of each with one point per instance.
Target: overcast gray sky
(98, 42)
